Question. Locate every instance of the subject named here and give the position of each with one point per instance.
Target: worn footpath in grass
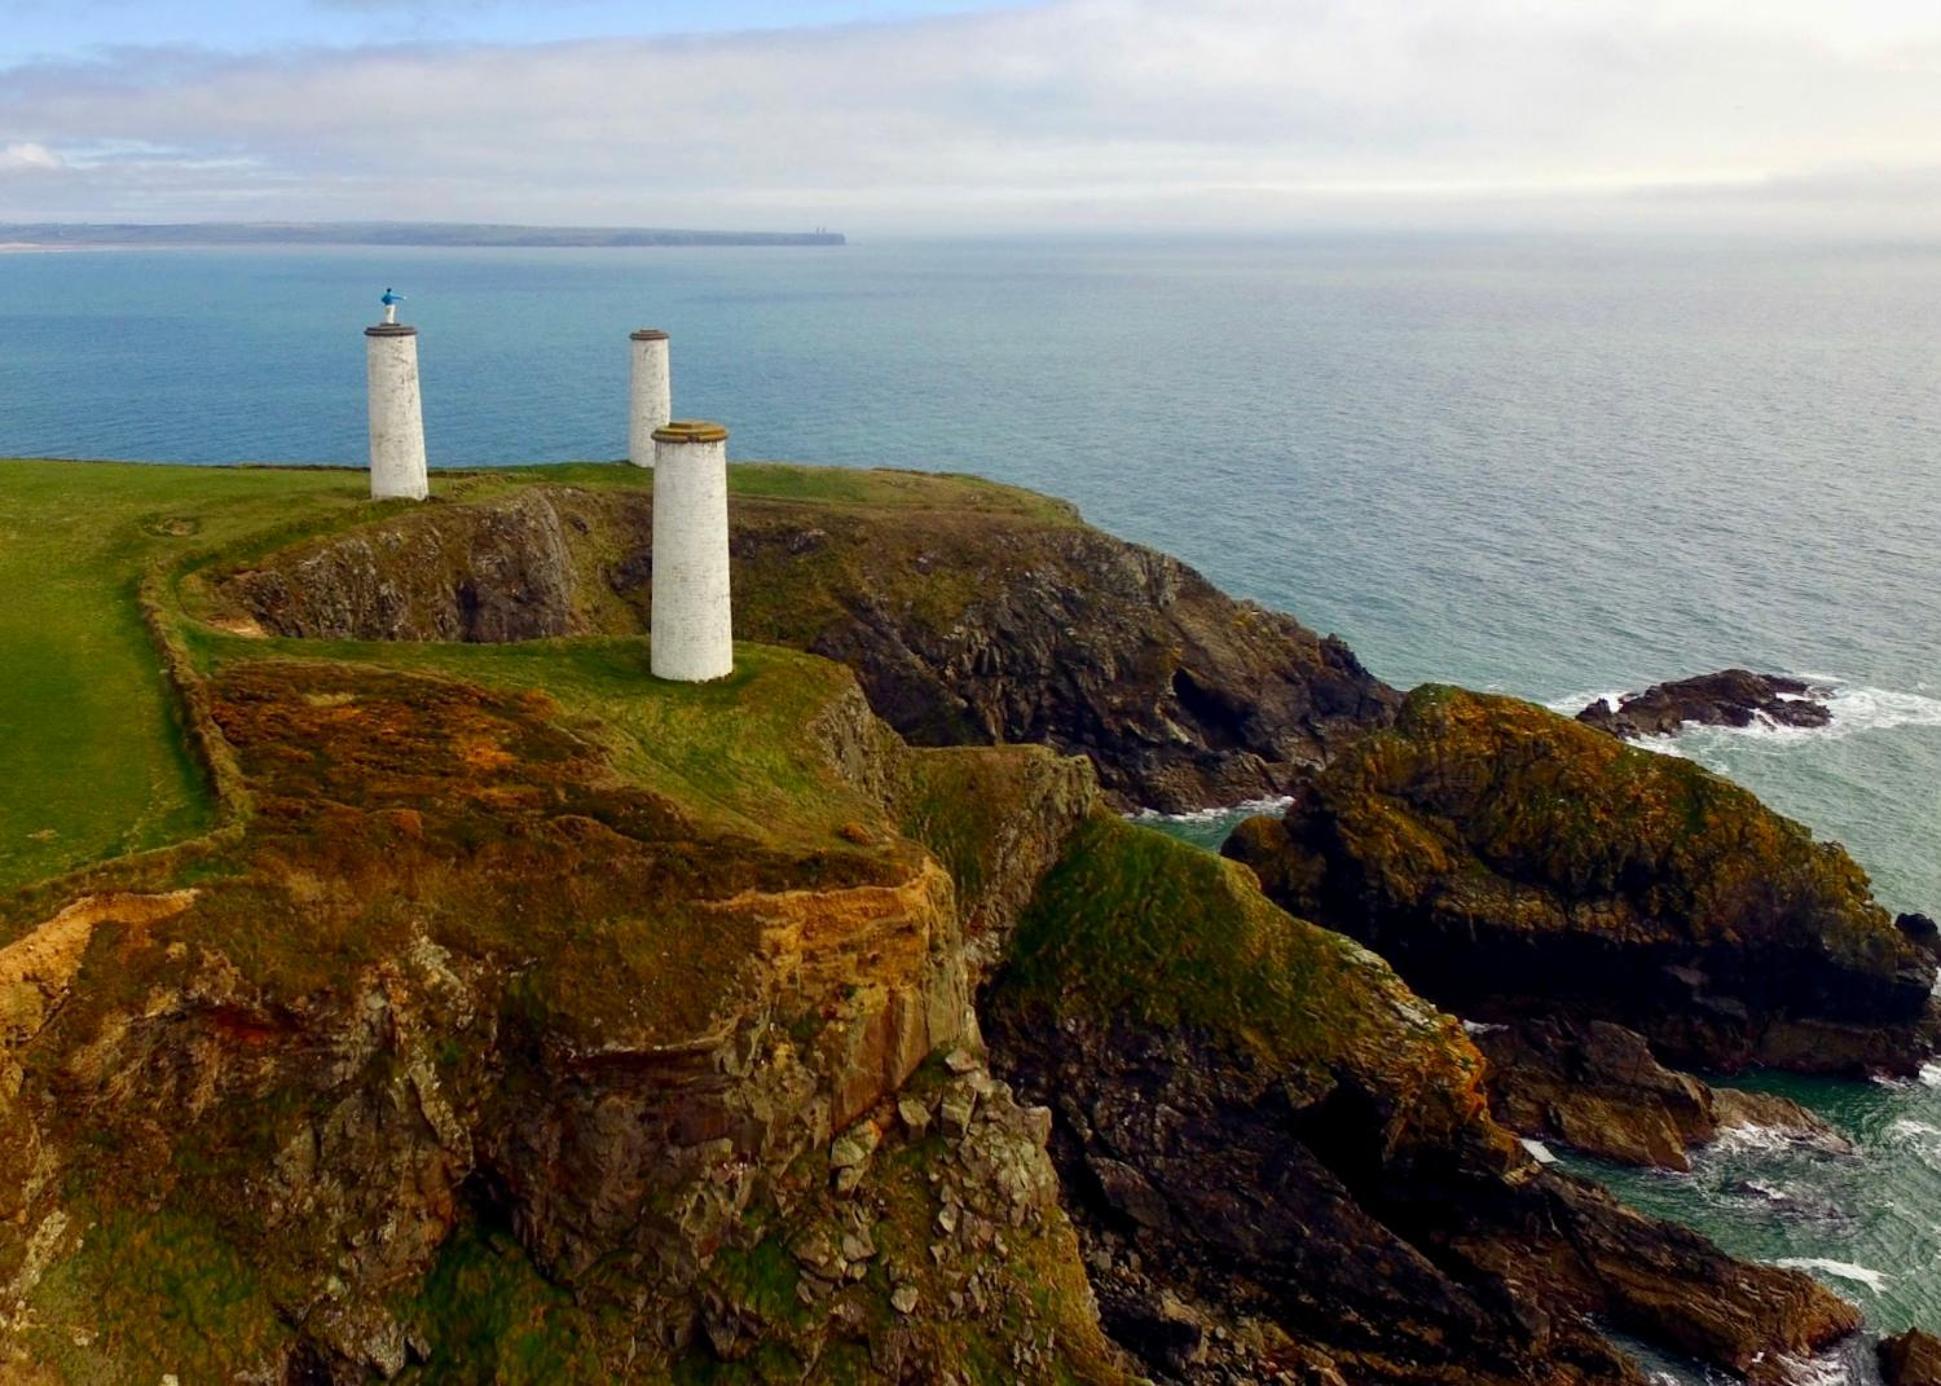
(91, 764)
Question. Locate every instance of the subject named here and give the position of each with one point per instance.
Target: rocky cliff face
(1512, 862)
(1282, 1167)
(529, 1021)
(476, 1057)
(966, 622)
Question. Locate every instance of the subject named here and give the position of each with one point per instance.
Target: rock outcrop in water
(971, 614)
(1595, 1086)
(1511, 862)
(1730, 698)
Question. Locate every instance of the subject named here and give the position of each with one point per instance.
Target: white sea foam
(1754, 1139)
(1573, 703)
(1210, 815)
(1907, 1126)
(1834, 1369)
(1863, 709)
(1843, 1270)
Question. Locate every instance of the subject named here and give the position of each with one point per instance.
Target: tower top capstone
(691, 431)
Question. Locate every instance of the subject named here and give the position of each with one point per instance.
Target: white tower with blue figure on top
(397, 413)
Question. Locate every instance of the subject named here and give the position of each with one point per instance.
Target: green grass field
(92, 762)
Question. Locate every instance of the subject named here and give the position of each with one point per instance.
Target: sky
(929, 116)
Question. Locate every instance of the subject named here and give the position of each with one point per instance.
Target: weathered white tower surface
(397, 414)
(692, 628)
(653, 394)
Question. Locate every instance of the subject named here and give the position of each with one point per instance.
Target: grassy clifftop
(524, 1015)
(96, 765)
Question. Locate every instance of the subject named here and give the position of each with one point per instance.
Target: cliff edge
(971, 614)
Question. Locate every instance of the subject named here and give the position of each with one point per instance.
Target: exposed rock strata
(586, 1063)
(1595, 1087)
(965, 625)
(479, 1054)
(1511, 862)
(1730, 698)
(1282, 1168)
(1912, 1358)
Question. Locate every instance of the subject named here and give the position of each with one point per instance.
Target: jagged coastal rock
(1282, 1166)
(1511, 862)
(1596, 1087)
(470, 1022)
(1911, 1359)
(972, 614)
(1730, 698)
(520, 1018)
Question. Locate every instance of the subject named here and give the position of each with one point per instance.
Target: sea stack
(692, 627)
(397, 414)
(653, 394)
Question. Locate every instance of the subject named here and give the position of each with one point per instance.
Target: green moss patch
(1138, 925)
(486, 1314)
(149, 1293)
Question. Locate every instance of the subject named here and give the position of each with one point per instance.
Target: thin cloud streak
(1248, 114)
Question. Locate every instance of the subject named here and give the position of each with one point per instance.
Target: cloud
(1113, 113)
(27, 157)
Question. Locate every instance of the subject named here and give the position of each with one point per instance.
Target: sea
(1554, 467)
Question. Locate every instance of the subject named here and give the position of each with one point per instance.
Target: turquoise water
(1551, 467)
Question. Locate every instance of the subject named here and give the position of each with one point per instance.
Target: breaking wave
(1840, 1270)
(1246, 809)
(1862, 709)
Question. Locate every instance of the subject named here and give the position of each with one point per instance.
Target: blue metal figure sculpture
(391, 302)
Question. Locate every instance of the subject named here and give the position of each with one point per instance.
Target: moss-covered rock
(1509, 860)
(502, 1035)
(1280, 1160)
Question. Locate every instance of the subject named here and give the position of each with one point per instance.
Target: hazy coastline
(20, 236)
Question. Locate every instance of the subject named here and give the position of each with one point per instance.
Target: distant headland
(56, 235)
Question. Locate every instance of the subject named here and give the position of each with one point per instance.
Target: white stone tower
(653, 394)
(692, 626)
(397, 415)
